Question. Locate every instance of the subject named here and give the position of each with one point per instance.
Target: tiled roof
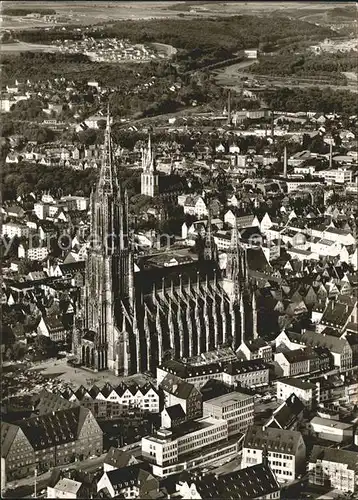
(334, 344)
(253, 482)
(287, 414)
(119, 458)
(175, 412)
(176, 386)
(54, 429)
(334, 455)
(280, 440)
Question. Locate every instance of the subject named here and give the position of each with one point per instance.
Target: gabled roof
(175, 412)
(250, 483)
(280, 440)
(288, 412)
(334, 344)
(350, 458)
(177, 387)
(132, 475)
(119, 458)
(8, 434)
(55, 428)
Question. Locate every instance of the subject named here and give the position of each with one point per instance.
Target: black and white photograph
(179, 259)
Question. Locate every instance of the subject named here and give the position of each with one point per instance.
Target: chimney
(330, 154)
(229, 108)
(285, 162)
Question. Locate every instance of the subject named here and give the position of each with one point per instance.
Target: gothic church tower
(108, 269)
(149, 176)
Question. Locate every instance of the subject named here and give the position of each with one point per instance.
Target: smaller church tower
(149, 176)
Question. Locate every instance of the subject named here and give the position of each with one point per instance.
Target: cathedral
(129, 322)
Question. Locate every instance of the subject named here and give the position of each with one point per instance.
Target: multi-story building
(308, 392)
(294, 362)
(256, 482)
(115, 400)
(236, 408)
(339, 347)
(337, 469)
(285, 451)
(12, 229)
(336, 175)
(129, 482)
(49, 440)
(178, 391)
(254, 373)
(332, 430)
(33, 253)
(256, 349)
(193, 444)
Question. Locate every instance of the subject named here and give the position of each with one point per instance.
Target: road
(25, 487)
(231, 76)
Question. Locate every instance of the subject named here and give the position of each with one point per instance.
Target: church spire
(107, 179)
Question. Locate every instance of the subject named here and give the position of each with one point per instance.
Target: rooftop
(230, 398)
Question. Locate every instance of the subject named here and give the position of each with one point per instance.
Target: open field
(86, 13)
(25, 47)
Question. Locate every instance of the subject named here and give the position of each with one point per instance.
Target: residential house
(178, 391)
(285, 451)
(67, 488)
(288, 415)
(307, 392)
(129, 482)
(255, 349)
(256, 482)
(48, 441)
(335, 468)
(53, 328)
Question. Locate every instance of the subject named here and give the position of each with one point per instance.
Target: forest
(324, 100)
(220, 38)
(16, 11)
(321, 66)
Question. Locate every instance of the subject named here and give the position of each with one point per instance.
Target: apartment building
(179, 392)
(284, 449)
(236, 408)
(307, 392)
(249, 373)
(256, 349)
(49, 440)
(193, 444)
(335, 468)
(294, 362)
(256, 482)
(12, 229)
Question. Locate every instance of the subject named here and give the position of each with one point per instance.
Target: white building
(253, 373)
(65, 488)
(306, 391)
(12, 229)
(338, 468)
(336, 176)
(236, 408)
(195, 206)
(332, 430)
(195, 444)
(284, 449)
(35, 253)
